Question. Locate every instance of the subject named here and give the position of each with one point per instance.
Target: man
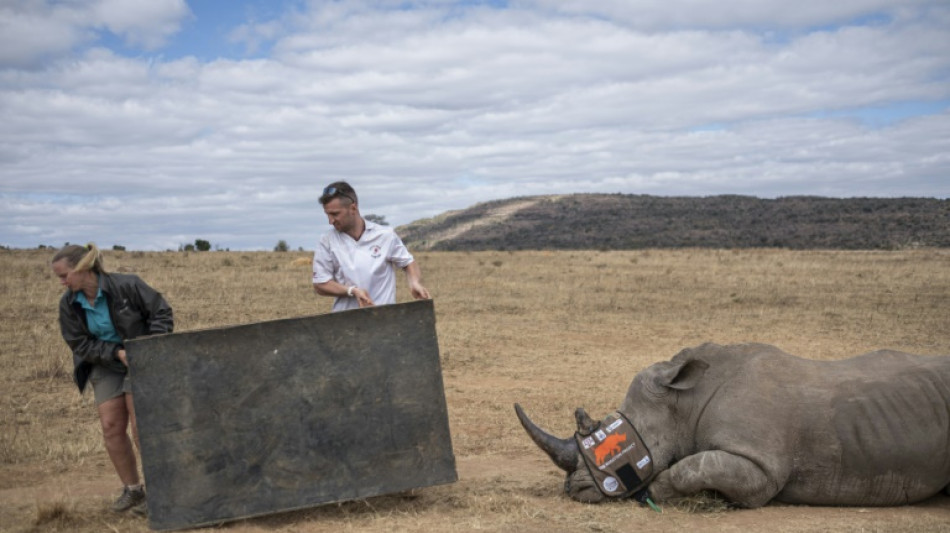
(355, 261)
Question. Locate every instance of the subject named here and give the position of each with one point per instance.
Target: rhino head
(654, 405)
(579, 484)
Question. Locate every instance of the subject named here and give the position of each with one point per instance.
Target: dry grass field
(551, 330)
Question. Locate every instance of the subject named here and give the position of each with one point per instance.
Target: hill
(624, 222)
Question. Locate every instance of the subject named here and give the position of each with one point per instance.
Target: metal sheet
(273, 416)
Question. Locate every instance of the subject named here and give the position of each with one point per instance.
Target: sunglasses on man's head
(332, 191)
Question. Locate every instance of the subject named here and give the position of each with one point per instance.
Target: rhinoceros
(754, 424)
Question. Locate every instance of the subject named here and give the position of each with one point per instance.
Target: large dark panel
(259, 418)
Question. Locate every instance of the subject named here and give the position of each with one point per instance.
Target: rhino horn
(562, 451)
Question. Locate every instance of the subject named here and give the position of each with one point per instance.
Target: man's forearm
(330, 288)
(413, 272)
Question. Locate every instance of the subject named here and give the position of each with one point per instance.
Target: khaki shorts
(108, 384)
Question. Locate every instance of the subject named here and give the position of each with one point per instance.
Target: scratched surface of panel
(254, 419)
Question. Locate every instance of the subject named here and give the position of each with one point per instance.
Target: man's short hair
(338, 189)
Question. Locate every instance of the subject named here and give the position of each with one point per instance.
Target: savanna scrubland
(551, 330)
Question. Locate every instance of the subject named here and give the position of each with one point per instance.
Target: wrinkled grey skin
(756, 424)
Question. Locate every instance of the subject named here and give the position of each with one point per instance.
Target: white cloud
(661, 15)
(143, 23)
(32, 31)
(440, 106)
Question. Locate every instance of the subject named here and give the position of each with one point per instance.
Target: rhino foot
(663, 489)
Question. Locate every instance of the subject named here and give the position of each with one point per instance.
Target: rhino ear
(683, 375)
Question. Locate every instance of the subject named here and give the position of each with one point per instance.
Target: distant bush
(379, 219)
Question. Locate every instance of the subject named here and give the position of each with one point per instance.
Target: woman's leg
(140, 509)
(114, 415)
(130, 408)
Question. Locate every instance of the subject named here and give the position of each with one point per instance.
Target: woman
(98, 311)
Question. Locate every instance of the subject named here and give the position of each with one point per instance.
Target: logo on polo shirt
(375, 251)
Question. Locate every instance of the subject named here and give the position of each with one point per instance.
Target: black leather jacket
(135, 309)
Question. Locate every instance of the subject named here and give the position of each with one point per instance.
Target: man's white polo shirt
(368, 263)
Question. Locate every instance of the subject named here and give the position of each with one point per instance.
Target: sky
(152, 123)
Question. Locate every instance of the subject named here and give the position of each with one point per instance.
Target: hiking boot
(140, 509)
(129, 499)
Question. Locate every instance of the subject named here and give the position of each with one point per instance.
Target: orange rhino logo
(610, 446)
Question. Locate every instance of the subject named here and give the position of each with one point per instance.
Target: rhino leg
(738, 479)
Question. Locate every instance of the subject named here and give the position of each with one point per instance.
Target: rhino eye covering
(616, 457)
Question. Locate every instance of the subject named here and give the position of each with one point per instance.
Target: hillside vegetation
(628, 222)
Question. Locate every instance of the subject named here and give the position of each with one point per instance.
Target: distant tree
(118, 247)
(202, 245)
(281, 246)
(379, 219)
(187, 248)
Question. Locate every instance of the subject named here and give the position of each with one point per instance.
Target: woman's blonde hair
(81, 258)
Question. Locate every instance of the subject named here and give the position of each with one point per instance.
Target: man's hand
(414, 275)
(418, 291)
(362, 297)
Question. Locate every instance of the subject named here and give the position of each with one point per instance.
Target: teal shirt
(97, 317)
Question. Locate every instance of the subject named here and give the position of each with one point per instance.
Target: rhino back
(878, 432)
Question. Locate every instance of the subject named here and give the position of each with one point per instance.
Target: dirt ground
(536, 328)
(530, 484)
